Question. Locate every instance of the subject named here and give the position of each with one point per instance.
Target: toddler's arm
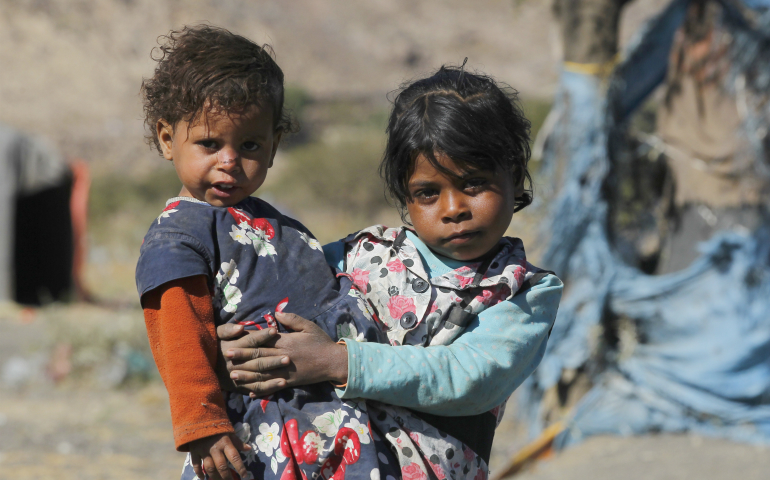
(483, 366)
(180, 326)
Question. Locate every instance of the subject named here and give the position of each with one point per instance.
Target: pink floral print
(399, 305)
(360, 278)
(464, 281)
(396, 266)
(413, 472)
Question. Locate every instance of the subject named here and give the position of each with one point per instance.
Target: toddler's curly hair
(203, 68)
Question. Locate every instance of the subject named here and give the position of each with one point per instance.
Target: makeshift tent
(688, 349)
(42, 221)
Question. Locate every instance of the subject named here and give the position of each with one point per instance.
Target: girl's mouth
(461, 237)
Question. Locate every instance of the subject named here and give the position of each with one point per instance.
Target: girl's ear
(165, 138)
(276, 141)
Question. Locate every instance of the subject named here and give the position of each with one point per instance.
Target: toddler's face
(223, 157)
(461, 216)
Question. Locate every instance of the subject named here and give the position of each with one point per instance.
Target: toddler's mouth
(223, 190)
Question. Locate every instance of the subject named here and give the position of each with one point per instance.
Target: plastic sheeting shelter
(36, 230)
(702, 359)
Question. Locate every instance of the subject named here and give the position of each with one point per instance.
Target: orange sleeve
(180, 325)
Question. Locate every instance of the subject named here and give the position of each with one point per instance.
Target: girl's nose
(454, 207)
(228, 159)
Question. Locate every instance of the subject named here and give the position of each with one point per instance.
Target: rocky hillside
(71, 69)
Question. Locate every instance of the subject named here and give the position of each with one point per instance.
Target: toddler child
(215, 254)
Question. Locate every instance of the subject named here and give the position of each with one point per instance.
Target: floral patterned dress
(417, 309)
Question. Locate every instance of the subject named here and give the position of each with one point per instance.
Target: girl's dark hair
(465, 116)
(203, 68)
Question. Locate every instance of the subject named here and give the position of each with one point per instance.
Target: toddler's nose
(227, 159)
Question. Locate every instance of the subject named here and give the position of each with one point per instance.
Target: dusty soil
(657, 457)
(82, 429)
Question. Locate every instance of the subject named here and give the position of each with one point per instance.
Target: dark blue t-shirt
(254, 258)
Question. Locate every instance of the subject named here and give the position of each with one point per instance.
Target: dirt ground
(81, 428)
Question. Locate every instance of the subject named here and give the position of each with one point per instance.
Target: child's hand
(213, 453)
(314, 358)
(242, 351)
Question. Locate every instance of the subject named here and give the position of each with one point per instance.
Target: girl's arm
(180, 326)
(476, 373)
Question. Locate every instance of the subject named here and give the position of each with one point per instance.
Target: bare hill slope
(71, 69)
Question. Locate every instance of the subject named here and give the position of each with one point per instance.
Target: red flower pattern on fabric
(464, 281)
(518, 274)
(264, 225)
(256, 223)
(468, 453)
(413, 472)
(396, 266)
(486, 297)
(399, 305)
(361, 278)
(239, 216)
(438, 471)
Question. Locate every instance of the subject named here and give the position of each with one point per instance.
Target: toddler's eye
(208, 144)
(250, 146)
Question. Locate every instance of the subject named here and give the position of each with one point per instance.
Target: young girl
(217, 255)
(456, 164)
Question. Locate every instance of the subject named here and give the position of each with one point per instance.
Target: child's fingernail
(234, 376)
(230, 353)
(272, 331)
(285, 360)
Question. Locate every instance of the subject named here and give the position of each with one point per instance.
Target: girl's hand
(214, 452)
(314, 357)
(241, 351)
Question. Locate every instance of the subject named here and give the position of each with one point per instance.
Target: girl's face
(462, 216)
(223, 157)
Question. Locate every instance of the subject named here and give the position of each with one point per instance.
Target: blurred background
(79, 394)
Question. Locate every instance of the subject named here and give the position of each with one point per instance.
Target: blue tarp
(702, 363)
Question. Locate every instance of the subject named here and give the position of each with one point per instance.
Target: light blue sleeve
(335, 254)
(476, 373)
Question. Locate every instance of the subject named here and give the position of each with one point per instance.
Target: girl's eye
(424, 194)
(250, 146)
(475, 183)
(208, 144)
